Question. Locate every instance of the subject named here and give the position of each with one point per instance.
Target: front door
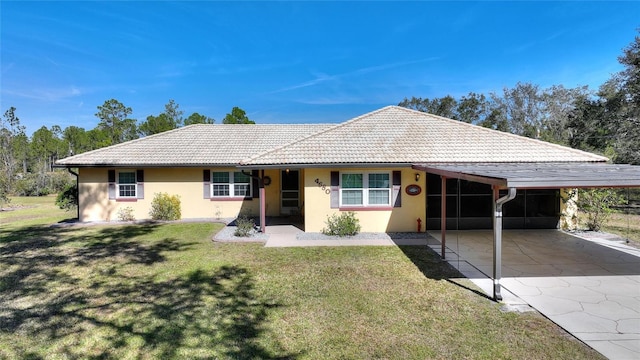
(289, 192)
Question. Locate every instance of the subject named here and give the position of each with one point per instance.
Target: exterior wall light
(417, 176)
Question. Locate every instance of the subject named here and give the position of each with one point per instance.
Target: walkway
(290, 236)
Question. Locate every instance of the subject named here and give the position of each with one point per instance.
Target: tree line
(26, 163)
(606, 121)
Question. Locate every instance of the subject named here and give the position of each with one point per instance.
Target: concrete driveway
(590, 287)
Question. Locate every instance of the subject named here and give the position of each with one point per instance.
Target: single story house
(392, 167)
(399, 170)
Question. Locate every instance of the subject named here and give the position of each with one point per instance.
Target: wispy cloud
(217, 67)
(42, 94)
(176, 70)
(320, 78)
(6, 67)
(323, 78)
(336, 100)
(378, 68)
(536, 43)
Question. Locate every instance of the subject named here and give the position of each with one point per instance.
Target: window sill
(126, 199)
(230, 198)
(366, 208)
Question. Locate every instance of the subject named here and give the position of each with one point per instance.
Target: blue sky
(293, 62)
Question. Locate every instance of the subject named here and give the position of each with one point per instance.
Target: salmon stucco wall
(187, 183)
(398, 219)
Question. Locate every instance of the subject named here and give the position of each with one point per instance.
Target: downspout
(77, 191)
(497, 238)
(261, 195)
(443, 216)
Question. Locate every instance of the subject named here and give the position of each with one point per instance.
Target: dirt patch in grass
(11, 207)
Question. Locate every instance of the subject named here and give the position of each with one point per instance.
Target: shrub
(41, 184)
(68, 198)
(345, 224)
(4, 199)
(31, 185)
(165, 207)
(58, 181)
(4, 193)
(596, 205)
(126, 214)
(244, 226)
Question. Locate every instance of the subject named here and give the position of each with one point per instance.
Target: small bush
(41, 184)
(4, 190)
(165, 207)
(31, 185)
(4, 197)
(68, 198)
(3, 200)
(244, 226)
(597, 204)
(345, 224)
(126, 214)
(58, 181)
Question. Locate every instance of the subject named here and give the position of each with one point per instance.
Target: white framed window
(219, 184)
(230, 184)
(127, 184)
(365, 189)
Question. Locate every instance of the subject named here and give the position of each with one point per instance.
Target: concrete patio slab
(590, 287)
(290, 236)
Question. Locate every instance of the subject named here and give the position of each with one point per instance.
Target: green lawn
(626, 226)
(167, 291)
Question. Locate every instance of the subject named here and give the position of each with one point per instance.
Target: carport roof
(540, 175)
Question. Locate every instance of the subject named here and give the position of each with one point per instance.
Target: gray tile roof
(398, 135)
(195, 145)
(391, 135)
(541, 175)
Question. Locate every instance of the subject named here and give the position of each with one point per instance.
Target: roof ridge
(538, 141)
(330, 128)
(266, 124)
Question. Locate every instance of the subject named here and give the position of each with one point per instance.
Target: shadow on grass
(434, 267)
(81, 295)
(121, 242)
(430, 263)
(32, 255)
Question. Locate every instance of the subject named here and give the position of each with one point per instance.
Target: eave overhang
(540, 175)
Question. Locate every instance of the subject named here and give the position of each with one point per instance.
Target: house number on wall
(323, 186)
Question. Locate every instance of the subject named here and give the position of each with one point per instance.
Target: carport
(519, 176)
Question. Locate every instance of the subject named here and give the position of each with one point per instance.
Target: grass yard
(163, 291)
(625, 221)
(626, 226)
